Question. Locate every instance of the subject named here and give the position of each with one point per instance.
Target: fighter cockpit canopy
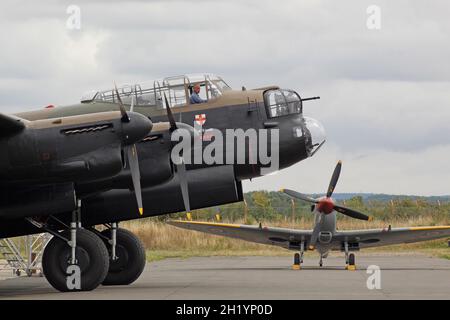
(177, 89)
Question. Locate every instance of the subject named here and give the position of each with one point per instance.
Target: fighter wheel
(297, 259)
(130, 261)
(92, 258)
(351, 259)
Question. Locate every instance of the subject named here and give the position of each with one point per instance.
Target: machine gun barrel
(312, 98)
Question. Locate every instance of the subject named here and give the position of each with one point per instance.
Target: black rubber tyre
(131, 259)
(297, 259)
(351, 259)
(91, 254)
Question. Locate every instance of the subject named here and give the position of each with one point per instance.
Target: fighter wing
(10, 125)
(265, 235)
(385, 237)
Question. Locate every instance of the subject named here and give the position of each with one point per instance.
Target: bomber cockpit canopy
(178, 90)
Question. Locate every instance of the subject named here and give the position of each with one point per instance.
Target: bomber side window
(276, 104)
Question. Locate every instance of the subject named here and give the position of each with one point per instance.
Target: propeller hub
(138, 128)
(325, 206)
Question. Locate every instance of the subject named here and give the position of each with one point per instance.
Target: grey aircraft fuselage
(327, 226)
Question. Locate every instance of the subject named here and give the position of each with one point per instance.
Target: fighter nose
(317, 135)
(137, 128)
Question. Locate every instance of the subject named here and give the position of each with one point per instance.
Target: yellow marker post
(189, 216)
(350, 268)
(141, 211)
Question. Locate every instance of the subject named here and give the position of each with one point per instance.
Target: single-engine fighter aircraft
(46, 186)
(324, 237)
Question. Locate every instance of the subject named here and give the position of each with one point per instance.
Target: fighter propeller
(326, 205)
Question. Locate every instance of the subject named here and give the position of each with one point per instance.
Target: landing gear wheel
(297, 259)
(130, 261)
(92, 258)
(351, 259)
(297, 262)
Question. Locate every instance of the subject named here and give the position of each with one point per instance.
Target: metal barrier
(24, 254)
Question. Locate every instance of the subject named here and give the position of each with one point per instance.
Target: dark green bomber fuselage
(110, 200)
(234, 110)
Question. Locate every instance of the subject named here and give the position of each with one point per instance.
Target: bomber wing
(10, 124)
(388, 236)
(265, 235)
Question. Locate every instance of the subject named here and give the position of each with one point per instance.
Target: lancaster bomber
(77, 171)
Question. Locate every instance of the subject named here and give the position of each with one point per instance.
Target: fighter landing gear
(127, 256)
(350, 259)
(298, 257)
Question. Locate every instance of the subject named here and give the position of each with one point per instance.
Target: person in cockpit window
(195, 96)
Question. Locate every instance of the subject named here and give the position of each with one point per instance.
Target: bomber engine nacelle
(118, 205)
(75, 149)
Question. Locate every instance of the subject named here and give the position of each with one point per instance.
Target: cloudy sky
(385, 93)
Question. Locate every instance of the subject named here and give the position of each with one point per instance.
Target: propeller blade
(133, 162)
(352, 213)
(299, 195)
(173, 124)
(123, 111)
(334, 179)
(181, 172)
(180, 167)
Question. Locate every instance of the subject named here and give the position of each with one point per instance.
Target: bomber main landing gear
(80, 259)
(91, 257)
(75, 259)
(127, 256)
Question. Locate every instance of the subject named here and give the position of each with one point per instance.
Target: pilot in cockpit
(195, 96)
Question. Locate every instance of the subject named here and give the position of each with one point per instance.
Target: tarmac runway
(270, 278)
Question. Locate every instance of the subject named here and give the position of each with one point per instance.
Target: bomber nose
(317, 135)
(137, 129)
